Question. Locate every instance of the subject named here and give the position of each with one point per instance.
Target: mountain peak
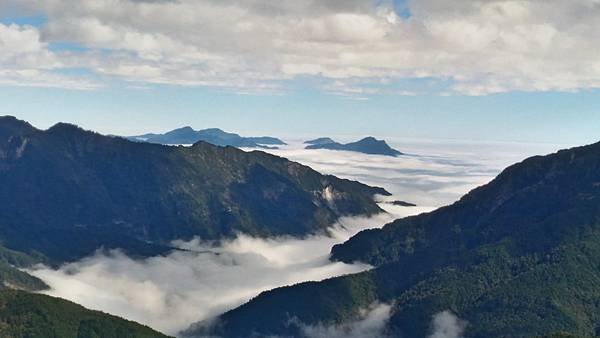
(367, 145)
(12, 123)
(320, 140)
(65, 128)
(370, 139)
(186, 128)
(215, 136)
(213, 130)
(9, 119)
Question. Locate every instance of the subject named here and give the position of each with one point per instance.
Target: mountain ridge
(113, 193)
(216, 136)
(368, 145)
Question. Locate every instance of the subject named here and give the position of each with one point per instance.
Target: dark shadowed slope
(368, 145)
(518, 257)
(66, 192)
(187, 135)
(37, 316)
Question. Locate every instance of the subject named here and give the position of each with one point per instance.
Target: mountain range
(517, 257)
(187, 135)
(367, 145)
(67, 191)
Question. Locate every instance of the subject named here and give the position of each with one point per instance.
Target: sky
(525, 71)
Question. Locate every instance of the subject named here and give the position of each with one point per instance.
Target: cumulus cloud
(446, 325)
(204, 279)
(355, 47)
(26, 61)
(372, 323)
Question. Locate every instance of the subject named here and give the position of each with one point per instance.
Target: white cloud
(433, 174)
(26, 61)
(481, 46)
(446, 325)
(372, 323)
(170, 293)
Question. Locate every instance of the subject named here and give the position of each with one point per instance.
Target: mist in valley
(205, 279)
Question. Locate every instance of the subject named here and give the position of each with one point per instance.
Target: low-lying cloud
(446, 325)
(372, 323)
(433, 174)
(169, 293)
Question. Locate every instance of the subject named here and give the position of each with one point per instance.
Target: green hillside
(13, 278)
(29, 315)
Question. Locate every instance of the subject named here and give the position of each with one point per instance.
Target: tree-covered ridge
(12, 277)
(518, 257)
(67, 192)
(30, 315)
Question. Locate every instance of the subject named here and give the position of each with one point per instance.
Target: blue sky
(459, 78)
(532, 117)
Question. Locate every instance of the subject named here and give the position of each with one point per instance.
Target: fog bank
(169, 293)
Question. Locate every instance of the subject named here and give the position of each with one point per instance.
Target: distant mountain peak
(64, 126)
(215, 136)
(10, 119)
(70, 131)
(186, 128)
(8, 122)
(320, 140)
(367, 145)
(214, 130)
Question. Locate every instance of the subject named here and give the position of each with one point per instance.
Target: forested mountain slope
(518, 257)
(66, 192)
(30, 315)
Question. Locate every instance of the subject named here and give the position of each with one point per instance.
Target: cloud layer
(170, 293)
(348, 47)
(446, 325)
(433, 174)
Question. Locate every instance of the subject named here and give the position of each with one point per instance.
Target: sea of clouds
(169, 293)
(433, 173)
